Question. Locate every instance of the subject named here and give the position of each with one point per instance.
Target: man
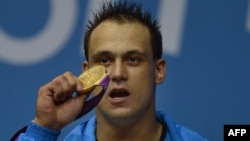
(129, 44)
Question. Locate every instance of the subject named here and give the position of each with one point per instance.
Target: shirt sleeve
(35, 132)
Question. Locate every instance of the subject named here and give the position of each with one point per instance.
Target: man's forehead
(118, 40)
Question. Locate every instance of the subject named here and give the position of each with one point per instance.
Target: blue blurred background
(206, 45)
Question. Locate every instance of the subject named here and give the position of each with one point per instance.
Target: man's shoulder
(189, 135)
(178, 132)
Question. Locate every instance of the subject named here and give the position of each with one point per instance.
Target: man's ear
(160, 71)
(85, 66)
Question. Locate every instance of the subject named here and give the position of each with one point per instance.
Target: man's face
(125, 50)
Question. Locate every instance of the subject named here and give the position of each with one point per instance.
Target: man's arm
(55, 108)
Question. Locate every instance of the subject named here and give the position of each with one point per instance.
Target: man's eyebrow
(135, 52)
(101, 53)
(110, 53)
(138, 52)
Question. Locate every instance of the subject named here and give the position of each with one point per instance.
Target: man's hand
(55, 105)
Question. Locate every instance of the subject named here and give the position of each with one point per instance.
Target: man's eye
(103, 60)
(134, 60)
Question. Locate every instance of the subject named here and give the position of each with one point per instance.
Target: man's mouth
(119, 93)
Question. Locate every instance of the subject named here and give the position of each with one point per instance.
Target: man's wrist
(41, 133)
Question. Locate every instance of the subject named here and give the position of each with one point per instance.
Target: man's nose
(118, 71)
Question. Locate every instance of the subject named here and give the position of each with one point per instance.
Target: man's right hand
(55, 105)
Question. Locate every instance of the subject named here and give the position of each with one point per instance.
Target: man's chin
(119, 114)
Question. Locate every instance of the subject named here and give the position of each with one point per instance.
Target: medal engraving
(92, 77)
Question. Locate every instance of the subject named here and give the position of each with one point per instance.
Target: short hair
(126, 12)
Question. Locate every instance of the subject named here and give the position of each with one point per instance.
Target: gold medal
(93, 77)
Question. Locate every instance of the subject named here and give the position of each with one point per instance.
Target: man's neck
(147, 129)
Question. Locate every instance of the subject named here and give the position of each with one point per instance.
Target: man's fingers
(80, 86)
(63, 86)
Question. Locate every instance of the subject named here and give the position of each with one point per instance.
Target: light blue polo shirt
(86, 132)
